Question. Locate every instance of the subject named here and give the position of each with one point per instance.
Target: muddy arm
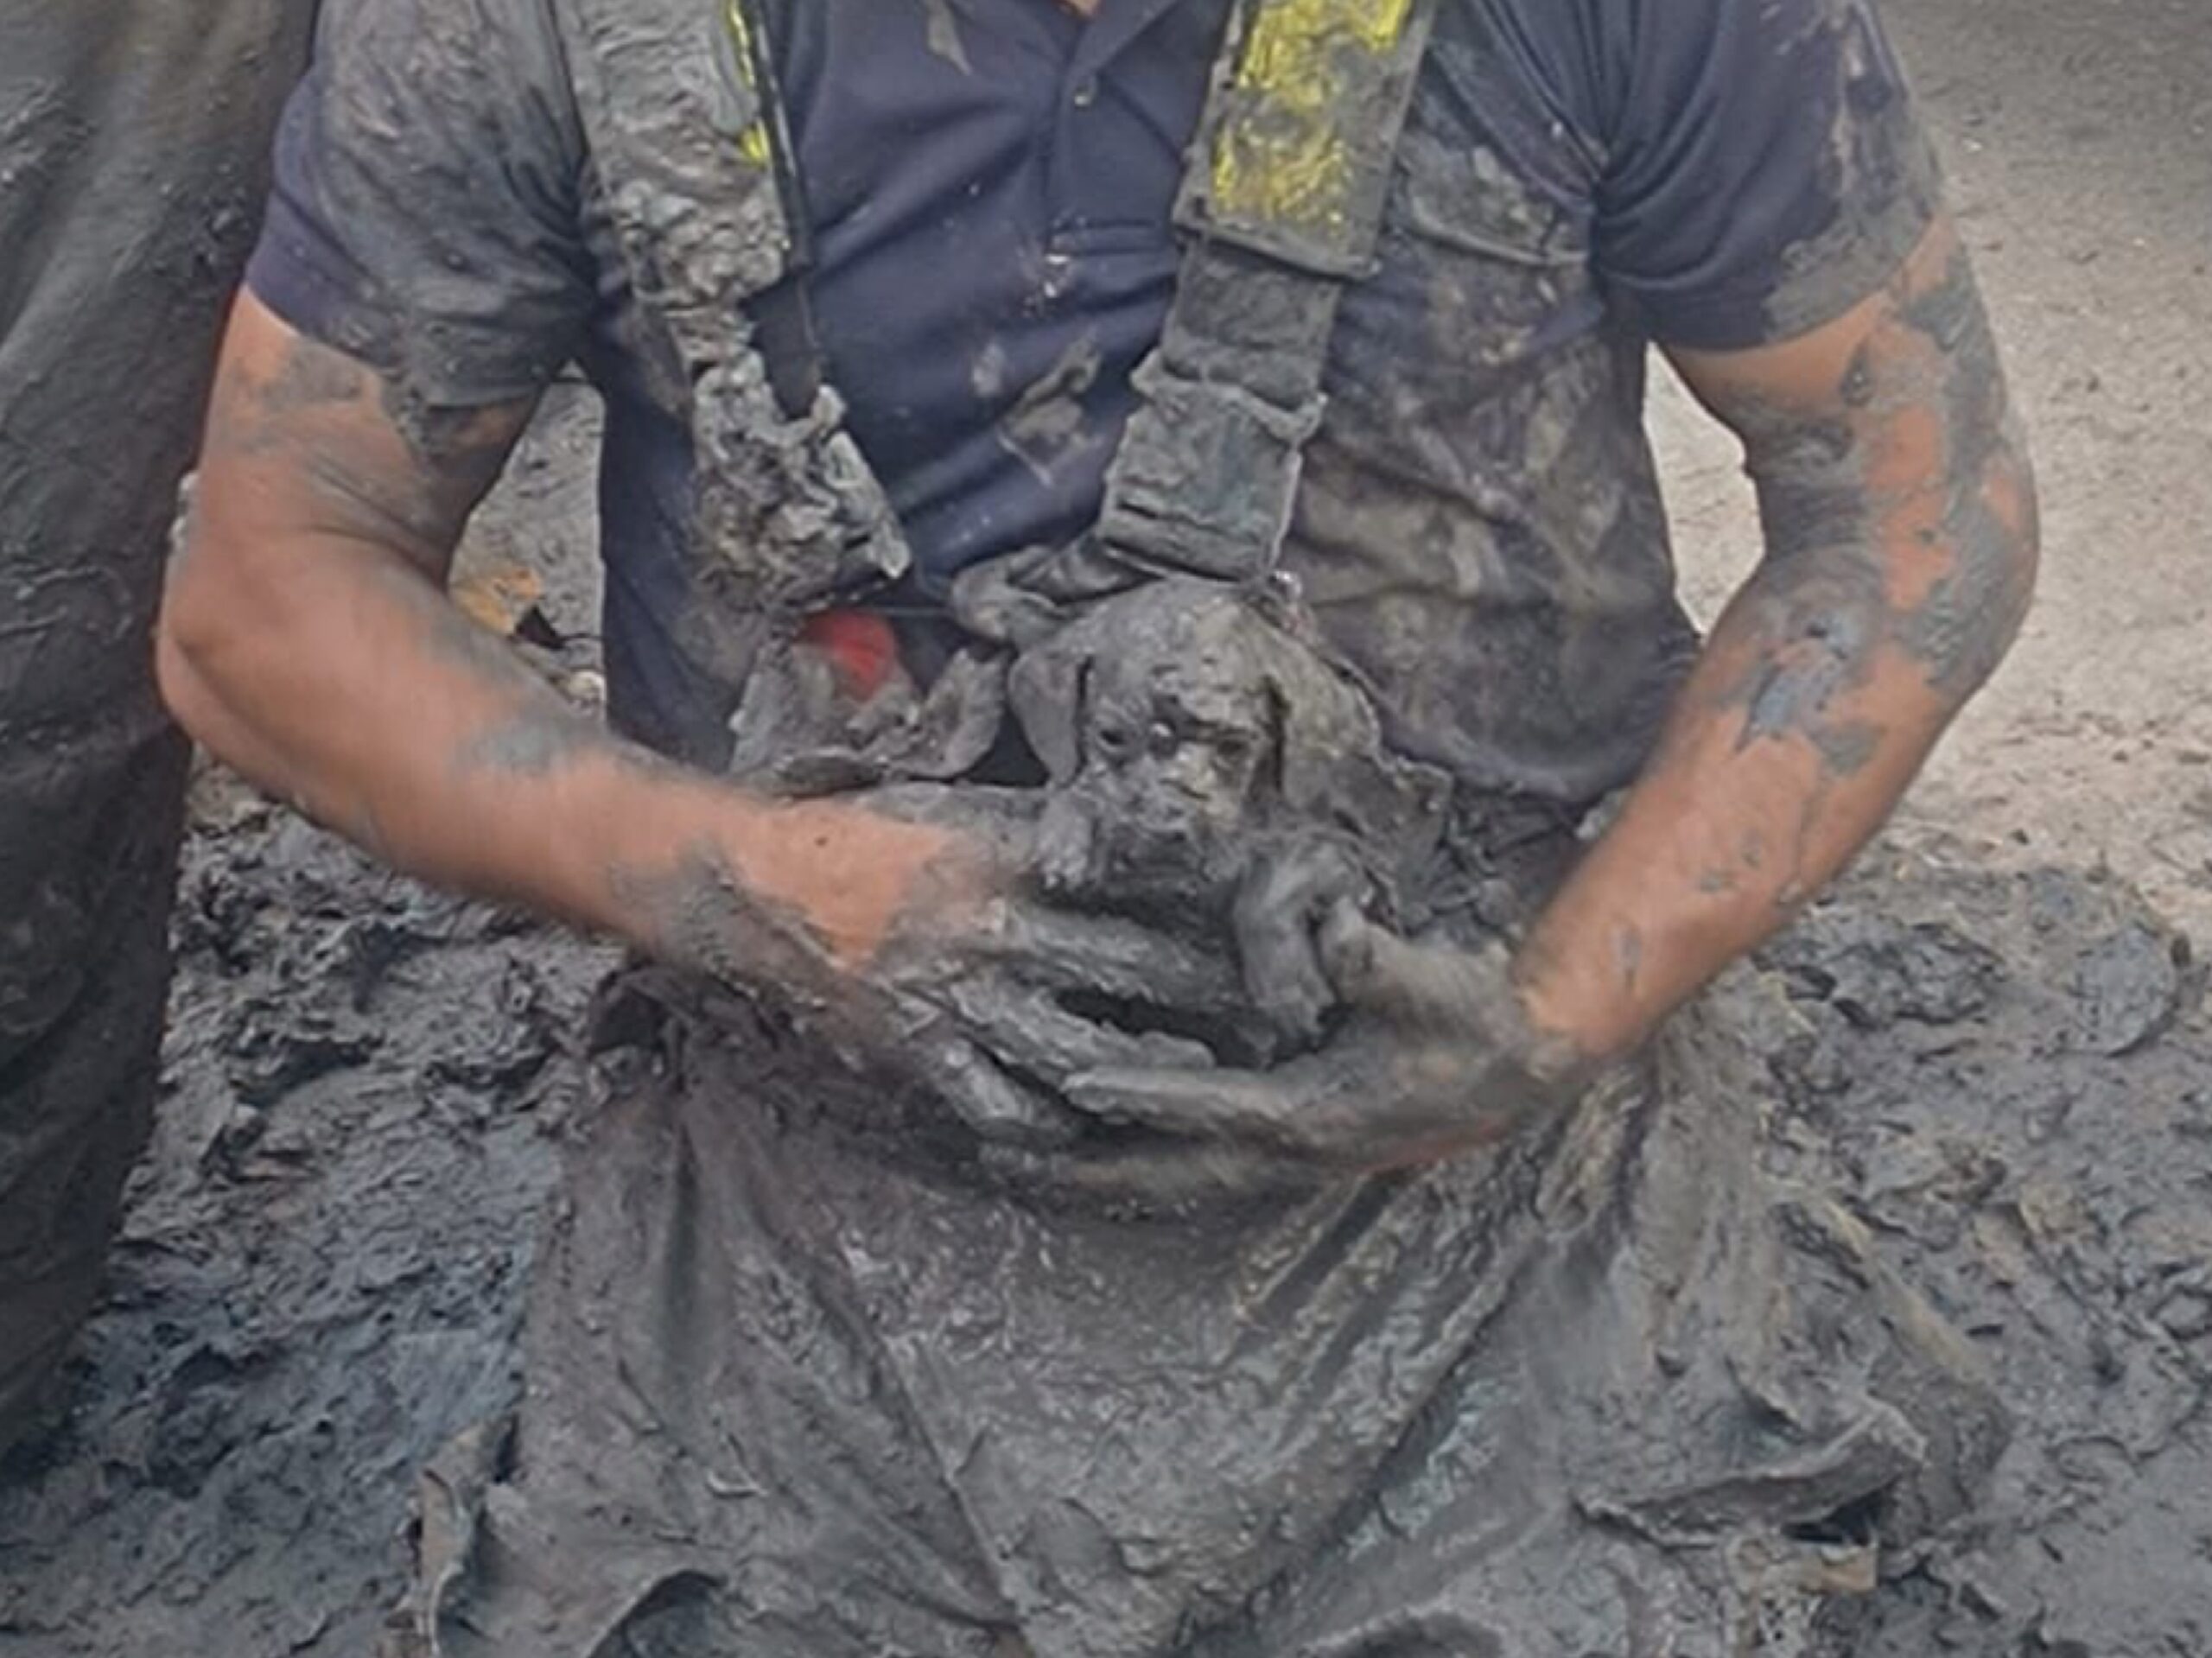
(306, 639)
(1899, 515)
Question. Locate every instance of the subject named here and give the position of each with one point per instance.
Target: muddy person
(134, 138)
(938, 1279)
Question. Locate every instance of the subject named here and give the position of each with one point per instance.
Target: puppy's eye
(1234, 748)
(1113, 742)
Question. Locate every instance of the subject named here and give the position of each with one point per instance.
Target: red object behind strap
(860, 644)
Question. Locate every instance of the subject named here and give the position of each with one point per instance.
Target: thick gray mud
(2006, 1078)
(319, 1277)
(2009, 1079)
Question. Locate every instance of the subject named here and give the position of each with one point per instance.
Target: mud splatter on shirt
(1480, 527)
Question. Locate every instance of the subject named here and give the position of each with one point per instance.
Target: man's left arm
(1769, 208)
(1900, 524)
(1899, 516)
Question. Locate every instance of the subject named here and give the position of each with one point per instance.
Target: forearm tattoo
(1936, 560)
(381, 469)
(1900, 523)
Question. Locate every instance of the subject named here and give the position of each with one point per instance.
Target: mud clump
(2007, 1080)
(320, 1275)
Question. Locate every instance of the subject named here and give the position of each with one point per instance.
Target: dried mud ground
(2005, 1068)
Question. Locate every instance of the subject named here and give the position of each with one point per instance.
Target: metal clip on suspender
(1282, 206)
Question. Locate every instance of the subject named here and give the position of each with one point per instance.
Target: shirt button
(1059, 274)
(1086, 94)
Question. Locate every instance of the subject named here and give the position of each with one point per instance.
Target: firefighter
(1504, 1355)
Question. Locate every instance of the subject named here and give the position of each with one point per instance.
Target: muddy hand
(991, 1000)
(1435, 1057)
(1289, 893)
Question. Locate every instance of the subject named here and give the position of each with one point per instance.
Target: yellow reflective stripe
(753, 143)
(1283, 158)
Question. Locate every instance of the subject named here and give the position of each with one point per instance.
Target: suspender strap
(681, 141)
(1282, 206)
(687, 143)
(783, 316)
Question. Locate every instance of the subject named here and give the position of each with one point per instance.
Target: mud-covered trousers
(796, 1390)
(133, 139)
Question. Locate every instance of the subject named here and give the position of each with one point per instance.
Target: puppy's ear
(1332, 767)
(1049, 693)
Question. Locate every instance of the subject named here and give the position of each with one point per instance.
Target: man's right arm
(306, 639)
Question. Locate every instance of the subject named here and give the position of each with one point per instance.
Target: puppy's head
(1182, 722)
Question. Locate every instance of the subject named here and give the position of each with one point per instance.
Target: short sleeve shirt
(990, 183)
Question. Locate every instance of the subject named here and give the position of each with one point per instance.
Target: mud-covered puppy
(1211, 765)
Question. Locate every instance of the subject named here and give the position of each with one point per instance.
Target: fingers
(1366, 1106)
(1067, 847)
(993, 1106)
(1349, 944)
(1431, 985)
(1273, 1109)
(992, 829)
(1023, 1027)
(1115, 957)
(1275, 920)
(1154, 1179)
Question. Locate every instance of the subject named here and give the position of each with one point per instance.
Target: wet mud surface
(2009, 1078)
(2006, 1078)
(319, 1278)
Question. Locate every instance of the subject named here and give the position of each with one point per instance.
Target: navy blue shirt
(982, 303)
(991, 183)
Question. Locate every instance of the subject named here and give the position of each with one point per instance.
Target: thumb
(1370, 966)
(1393, 978)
